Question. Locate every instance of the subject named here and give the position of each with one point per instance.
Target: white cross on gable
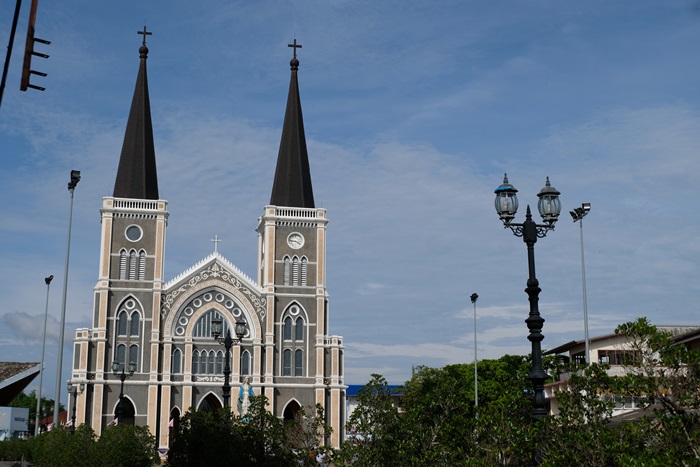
(216, 241)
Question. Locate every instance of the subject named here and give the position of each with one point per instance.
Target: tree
(663, 376)
(126, 445)
(373, 429)
(257, 439)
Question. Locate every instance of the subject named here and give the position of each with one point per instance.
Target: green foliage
(257, 439)
(374, 431)
(127, 446)
(438, 424)
(15, 450)
(119, 446)
(61, 448)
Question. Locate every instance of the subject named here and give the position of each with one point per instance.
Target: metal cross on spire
(216, 241)
(146, 33)
(296, 46)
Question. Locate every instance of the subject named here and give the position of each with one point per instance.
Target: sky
(413, 113)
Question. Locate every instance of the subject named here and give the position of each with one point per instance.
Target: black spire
(292, 185)
(136, 176)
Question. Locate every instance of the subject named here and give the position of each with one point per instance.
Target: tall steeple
(292, 185)
(136, 176)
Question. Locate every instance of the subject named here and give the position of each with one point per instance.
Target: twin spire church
(162, 330)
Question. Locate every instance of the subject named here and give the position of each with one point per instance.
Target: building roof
(677, 331)
(136, 175)
(353, 390)
(14, 377)
(292, 183)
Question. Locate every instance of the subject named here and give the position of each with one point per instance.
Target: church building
(162, 330)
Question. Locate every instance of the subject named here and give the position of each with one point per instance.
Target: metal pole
(43, 349)
(228, 343)
(75, 178)
(75, 401)
(18, 5)
(585, 304)
(534, 322)
(473, 298)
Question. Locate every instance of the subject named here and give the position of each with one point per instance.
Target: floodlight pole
(43, 349)
(473, 298)
(578, 214)
(74, 179)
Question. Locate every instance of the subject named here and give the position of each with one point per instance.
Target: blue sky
(413, 112)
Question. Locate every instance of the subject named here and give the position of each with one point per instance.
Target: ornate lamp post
(549, 207)
(74, 391)
(228, 342)
(578, 214)
(120, 372)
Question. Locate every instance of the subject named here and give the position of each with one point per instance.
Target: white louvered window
(132, 265)
(304, 263)
(287, 266)
(142, 265)
(295, 271)
(122, 264)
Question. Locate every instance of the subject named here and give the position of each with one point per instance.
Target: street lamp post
(120, 372)
(549, 207)
(43, 351)
(578, 214)
(227, 342)
(74, 391)
(473, 298)
(74, 179)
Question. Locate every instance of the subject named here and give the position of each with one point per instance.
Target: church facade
(162, 329)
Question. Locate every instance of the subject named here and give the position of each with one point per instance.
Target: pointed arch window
(299, 330)
(121, 324)
(121, 354)
(245, 362)
(288, 328)
(203, 362)
(135, 322)
(176, 362)
(211, 362)
(287, 363)
(287, 267)
(299, 362)
(195, 362)
(132, 264)
(142, 265)
(219, 370)
(134, 354)
(122, 264)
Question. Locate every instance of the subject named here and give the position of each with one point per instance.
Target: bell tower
(292, 273)
(126, 317)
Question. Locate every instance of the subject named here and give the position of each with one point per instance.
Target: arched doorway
(210, 403)
(128, 412)
(291, 411)
(173, 424)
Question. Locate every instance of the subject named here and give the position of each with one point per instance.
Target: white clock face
(295, 240)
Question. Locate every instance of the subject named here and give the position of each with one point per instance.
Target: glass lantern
(241, 329)
(549, 204)
(506, 201)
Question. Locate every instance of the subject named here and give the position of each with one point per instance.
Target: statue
(244, 394)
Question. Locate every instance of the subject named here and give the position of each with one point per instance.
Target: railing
(305, 213)
(121, 203)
